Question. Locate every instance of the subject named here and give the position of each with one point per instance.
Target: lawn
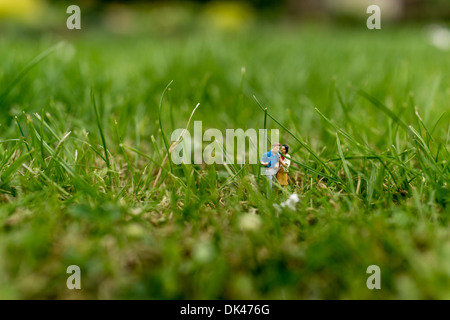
(84, 182)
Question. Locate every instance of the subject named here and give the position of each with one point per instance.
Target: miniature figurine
(285, 162)
(270, 161)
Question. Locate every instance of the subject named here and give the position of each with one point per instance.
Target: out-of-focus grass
(367, 106)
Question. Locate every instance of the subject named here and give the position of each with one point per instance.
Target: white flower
(439, 36)
(291, 202)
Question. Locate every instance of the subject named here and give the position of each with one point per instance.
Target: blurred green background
(129, 16)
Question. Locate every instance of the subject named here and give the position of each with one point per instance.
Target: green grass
(85, 128)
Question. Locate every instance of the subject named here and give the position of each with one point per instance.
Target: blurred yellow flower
(24, 10)
(228, 15)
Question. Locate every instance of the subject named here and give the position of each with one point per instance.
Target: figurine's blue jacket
(271, 158)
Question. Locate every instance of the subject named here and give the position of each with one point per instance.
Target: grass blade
(25, 70)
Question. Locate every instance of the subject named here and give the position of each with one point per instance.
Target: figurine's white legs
(270, 177)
